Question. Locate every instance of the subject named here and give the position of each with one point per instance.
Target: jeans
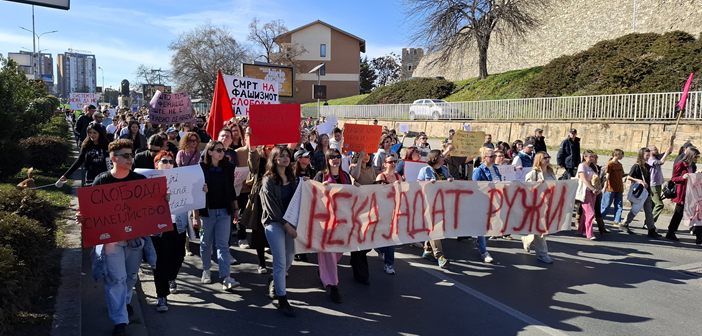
(388, 254)
(657, 201)
(608, 198)
(170, 253)
(283, 250)
(482, 244)
(216, 230)
(122, 267)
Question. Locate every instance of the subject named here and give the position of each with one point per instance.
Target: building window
(322, 50)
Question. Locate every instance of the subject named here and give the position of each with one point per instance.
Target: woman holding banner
(681, 172)
(277, 190)
(389, 175)
(170, 246)
(487, 171)
(327, 261)
(411, 154)
(540, 172)
(435, 171)
(216, 216)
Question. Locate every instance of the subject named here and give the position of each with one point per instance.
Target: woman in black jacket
(216, 216)
(277, 190)
(137, 138)
(94, 156)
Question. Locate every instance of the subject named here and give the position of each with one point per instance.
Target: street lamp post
(103, 84)
(35, 42)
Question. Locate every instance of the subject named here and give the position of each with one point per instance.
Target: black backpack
(670, 190)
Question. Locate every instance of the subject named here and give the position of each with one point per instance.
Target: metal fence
(643, 106)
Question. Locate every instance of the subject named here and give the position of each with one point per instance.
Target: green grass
(60, 198)
(353, 100)
(508, 85)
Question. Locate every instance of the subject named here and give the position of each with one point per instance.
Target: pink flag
(681, 104)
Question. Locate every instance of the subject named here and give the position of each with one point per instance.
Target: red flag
(681, 104)
(221, 109)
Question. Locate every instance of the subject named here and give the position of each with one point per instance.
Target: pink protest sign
(170, 108)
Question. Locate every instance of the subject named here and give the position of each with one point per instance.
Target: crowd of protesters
(111, 146)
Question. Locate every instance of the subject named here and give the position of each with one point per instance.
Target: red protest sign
(360, 137)
(126, 210)
(274, 124)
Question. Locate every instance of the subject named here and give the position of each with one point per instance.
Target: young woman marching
(540, 172)
(386, 177)
(94, 154)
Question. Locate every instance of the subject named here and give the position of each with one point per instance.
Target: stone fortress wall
(571, 26)
(410, 60)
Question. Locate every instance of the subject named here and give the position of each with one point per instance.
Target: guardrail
(643, 106)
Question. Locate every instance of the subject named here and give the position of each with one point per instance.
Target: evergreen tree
(368, 76)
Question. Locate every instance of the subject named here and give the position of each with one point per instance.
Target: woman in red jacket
(681, 171)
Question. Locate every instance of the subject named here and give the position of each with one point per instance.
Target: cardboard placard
(468, 143)
(274, 124)
(247, 92)
(412, 169)
(240, 175)
(171, 108)
(359, 137)
(125, 210)
(79, 100)
(184, 184)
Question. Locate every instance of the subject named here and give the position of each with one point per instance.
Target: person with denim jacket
(487, 171)
(120, 260)
(277, 190)
(435, 171)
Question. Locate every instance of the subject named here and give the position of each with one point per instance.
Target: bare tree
(450, 27)
(264, 36)
(199, 53)
(148, 75)
(388, 69)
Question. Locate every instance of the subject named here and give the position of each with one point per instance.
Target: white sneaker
(229, 283)
(486, 257)
(206, 277)
(243, 243)
(545, 259)
(388, 269)
(525, 244)
(262, 270)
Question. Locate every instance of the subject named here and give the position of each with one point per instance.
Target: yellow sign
(283, 75)
(468, 143)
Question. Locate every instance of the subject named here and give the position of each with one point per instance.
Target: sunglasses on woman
(218, 150)
(170, 162)
(391, 162)
(332, 157)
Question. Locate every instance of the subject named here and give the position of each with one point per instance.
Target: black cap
(573, 131)
(538, 130)
(452, 131)
(689, 145)
(301, 154)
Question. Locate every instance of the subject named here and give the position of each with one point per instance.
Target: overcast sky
(124, 34)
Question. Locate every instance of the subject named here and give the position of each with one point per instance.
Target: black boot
(672, 236)
(601, 225)
(653, 234)
(334, 294)
(284, 306)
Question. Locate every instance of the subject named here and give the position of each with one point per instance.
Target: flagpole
(677, 122)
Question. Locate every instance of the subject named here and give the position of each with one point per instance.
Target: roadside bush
(12, 298)
(634, 63)
(46, 152)
(56, 127)
(407, 91)
(29, 204)
(11, 158)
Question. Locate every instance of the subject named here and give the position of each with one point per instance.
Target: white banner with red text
(342, 218)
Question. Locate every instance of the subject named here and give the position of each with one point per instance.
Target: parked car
(432, 109)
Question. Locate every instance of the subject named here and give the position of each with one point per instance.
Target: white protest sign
(412, 168)
(404, 128)
(325, 128)
(510, 173)
(292, 213)
(466, 128)
(342, 218)
(240, 175)
(244, 92)
(79, 100)
(170, 108)
(692, 215)
(184, 184)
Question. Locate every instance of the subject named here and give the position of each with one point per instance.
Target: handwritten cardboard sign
(692, 215)
(125, 210)
(246, 92)
(79, 100)
(274, 124)
(184, 184)
(342, 218)
(360, 137)
(468, 143)
(171, 108)
(240, 175)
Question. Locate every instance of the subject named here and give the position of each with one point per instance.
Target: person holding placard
(541, 172)
(169, 246)
(387, 253)
(411, 154)
(121, 259)
(435, 171)
(460, 167)
(486, 172)
(277, 190)
(216, 216)
(337, 140)
(363, 173)
(327, 261)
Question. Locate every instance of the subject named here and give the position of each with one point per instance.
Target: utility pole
(103, 84)
(35, 40)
